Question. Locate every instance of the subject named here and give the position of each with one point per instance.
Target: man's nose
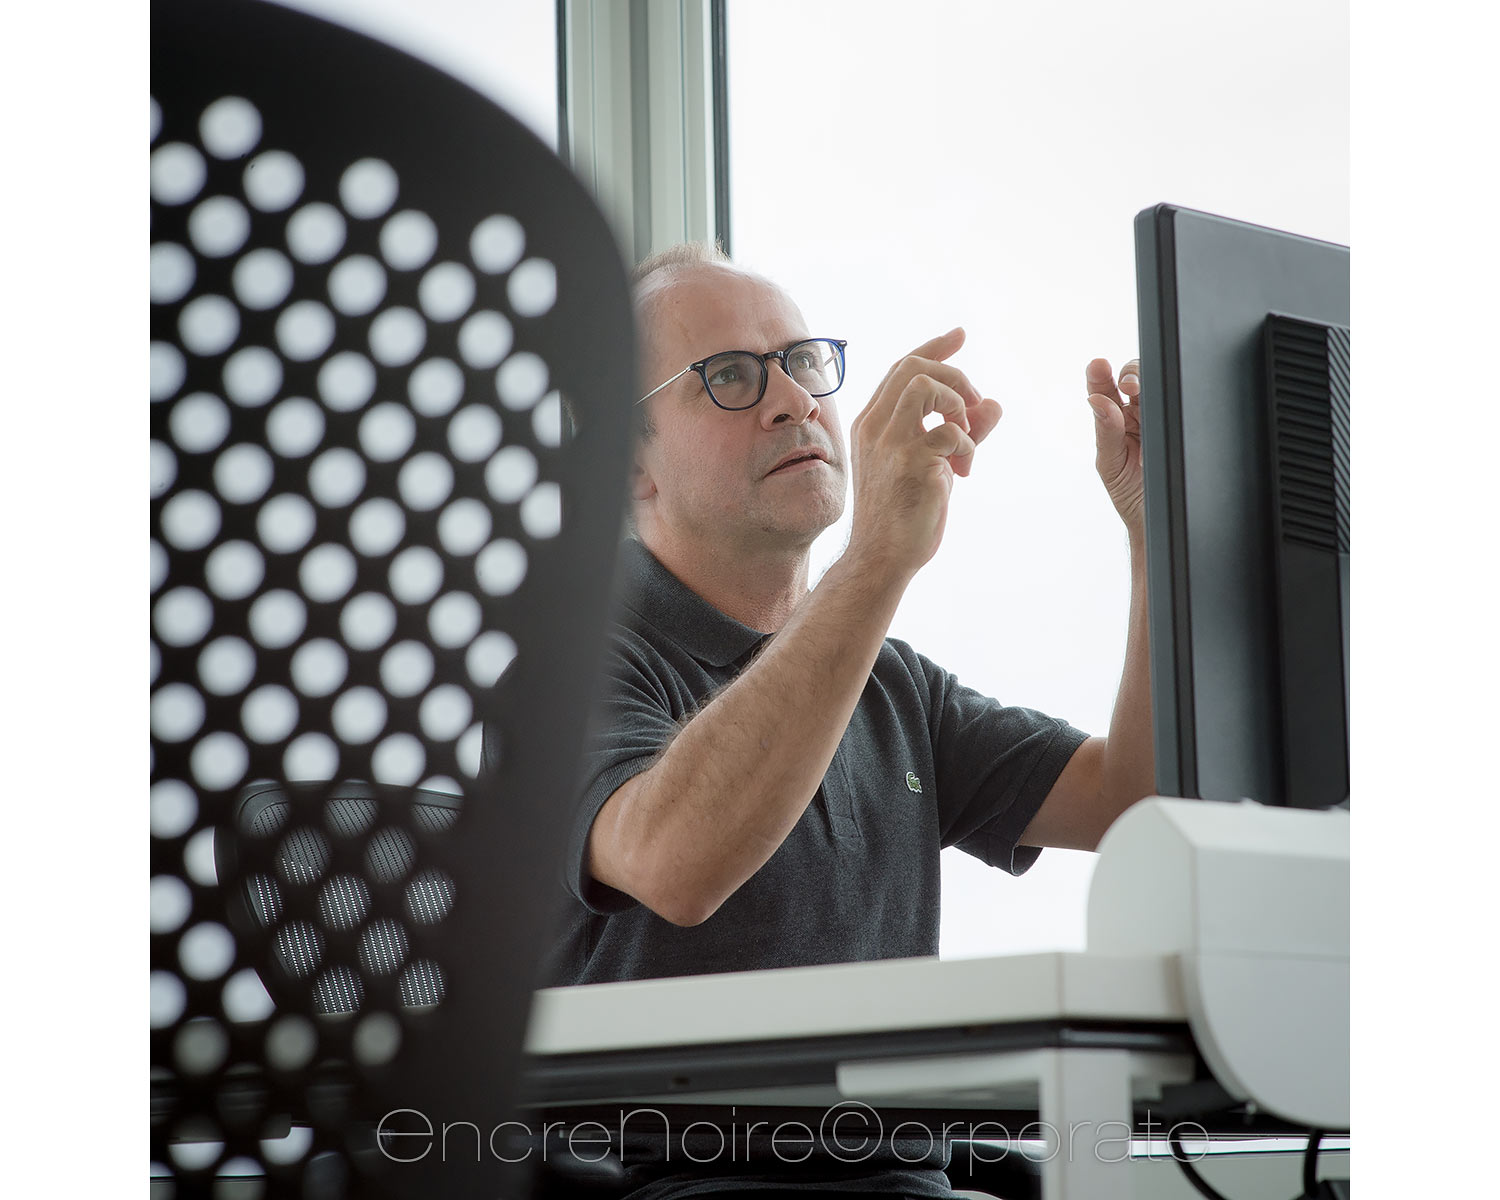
(786, 401)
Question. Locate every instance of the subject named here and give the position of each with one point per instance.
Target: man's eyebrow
(796, 341)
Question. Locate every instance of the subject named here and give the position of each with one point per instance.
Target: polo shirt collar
(662, 600)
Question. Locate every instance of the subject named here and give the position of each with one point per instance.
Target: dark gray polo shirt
(925, 763)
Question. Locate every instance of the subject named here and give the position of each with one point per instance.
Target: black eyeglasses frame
(701, 368)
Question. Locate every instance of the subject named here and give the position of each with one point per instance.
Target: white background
(982, 167)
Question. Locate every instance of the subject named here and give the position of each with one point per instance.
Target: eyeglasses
(736, 379)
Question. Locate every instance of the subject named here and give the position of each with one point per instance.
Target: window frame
(643, 116)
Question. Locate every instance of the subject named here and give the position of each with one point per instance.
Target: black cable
(1310, 1164)
(1204, 1188)
(719, 55)
(1174, 1139)
(564, 127)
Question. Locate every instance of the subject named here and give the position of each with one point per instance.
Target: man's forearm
(1129, 769)
(683, 835)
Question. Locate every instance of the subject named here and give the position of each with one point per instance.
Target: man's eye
(803, 360)
(725, 376)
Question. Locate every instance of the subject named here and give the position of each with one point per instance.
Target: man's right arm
(686, 833)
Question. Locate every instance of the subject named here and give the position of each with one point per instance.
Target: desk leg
(1086, 1113)
(1083, 1103)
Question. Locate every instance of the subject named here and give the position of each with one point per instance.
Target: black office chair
(391, 372)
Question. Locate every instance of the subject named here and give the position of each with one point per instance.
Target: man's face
(721, 479)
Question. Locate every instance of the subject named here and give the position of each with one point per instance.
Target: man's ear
(642, 485)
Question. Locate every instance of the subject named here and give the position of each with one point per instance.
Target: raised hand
(903, 472)
(1117, 436)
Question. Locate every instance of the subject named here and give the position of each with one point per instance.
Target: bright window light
(904, 169)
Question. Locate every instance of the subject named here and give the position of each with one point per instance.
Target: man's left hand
(1117, 436)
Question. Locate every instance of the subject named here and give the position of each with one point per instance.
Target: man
(771, 779)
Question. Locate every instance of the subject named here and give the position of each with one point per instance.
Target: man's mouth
(800, 457)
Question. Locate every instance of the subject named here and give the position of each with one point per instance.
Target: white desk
(1218, 930)
(1076, 1039)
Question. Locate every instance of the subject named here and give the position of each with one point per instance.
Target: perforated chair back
(391, 373)
(255, 900)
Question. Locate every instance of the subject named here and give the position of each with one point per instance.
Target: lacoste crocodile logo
(914, 783)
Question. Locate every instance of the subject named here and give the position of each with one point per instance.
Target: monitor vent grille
(1309, 365)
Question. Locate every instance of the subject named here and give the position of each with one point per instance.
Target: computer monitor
(1245, 444)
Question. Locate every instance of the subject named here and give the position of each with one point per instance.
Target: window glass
(506, 49)
(904, 169)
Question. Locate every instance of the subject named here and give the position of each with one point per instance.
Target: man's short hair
(682, 256)
(650, 274)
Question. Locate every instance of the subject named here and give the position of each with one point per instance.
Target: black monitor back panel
(1222, 696)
